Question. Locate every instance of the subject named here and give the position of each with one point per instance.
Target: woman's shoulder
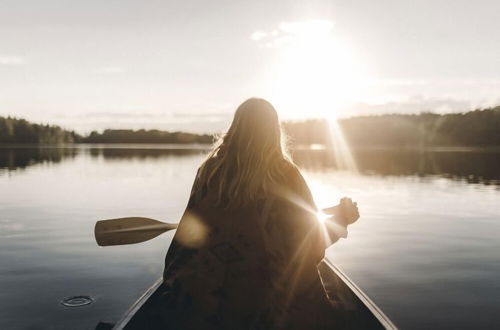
(288, 167)
(292, 170)
(208, 164)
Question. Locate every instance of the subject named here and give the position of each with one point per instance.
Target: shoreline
(207, 146)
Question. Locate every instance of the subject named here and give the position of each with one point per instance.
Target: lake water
(426, 249)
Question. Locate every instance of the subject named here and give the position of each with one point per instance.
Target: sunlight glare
(322, 217)
(316, 72)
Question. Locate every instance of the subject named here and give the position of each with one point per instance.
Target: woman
(245, 253)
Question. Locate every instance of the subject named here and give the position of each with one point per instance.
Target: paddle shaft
(163, 227)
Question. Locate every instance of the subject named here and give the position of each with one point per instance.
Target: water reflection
(473, 166)
(141, 154)
(20, 158)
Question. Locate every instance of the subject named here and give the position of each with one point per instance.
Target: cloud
(196, 122)
(439, 95)
(306, 27)
(258, 35)
(109, 70)
(417, 104)
(9, 226)
(286, 32)
(191, 116)
(142, 115)
(11, 60)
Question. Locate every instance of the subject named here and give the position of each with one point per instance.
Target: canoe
(351, 304)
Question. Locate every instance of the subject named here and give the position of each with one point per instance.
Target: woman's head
(255, 129)
(247, 161)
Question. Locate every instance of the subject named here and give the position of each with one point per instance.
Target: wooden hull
(353, 306)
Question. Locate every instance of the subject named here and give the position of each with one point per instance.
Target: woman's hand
(345, 213)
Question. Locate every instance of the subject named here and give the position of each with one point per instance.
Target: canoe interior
(350, 304)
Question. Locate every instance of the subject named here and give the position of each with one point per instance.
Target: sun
(315, 73)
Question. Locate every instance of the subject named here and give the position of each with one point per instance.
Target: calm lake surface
(426, 249)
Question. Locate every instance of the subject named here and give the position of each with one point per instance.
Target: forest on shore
(473, 128)
(15, 130)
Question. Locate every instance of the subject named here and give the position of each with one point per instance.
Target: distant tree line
(145, 136)
(474, 128)
(14, 130)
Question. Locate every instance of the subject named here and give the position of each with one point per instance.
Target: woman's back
(250, 267)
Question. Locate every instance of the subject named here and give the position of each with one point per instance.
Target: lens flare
(340, 147)
(192, 231)
(322, 217)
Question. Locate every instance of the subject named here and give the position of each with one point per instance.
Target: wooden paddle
(133, 230)
(130, 230)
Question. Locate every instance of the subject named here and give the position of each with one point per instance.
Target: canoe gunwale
(363, 297)
(122, 323)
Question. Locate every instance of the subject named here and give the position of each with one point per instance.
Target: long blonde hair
(248, 161)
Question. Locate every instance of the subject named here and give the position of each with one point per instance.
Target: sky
(186, 65)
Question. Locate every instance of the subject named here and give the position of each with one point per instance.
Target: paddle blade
(130, 230)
